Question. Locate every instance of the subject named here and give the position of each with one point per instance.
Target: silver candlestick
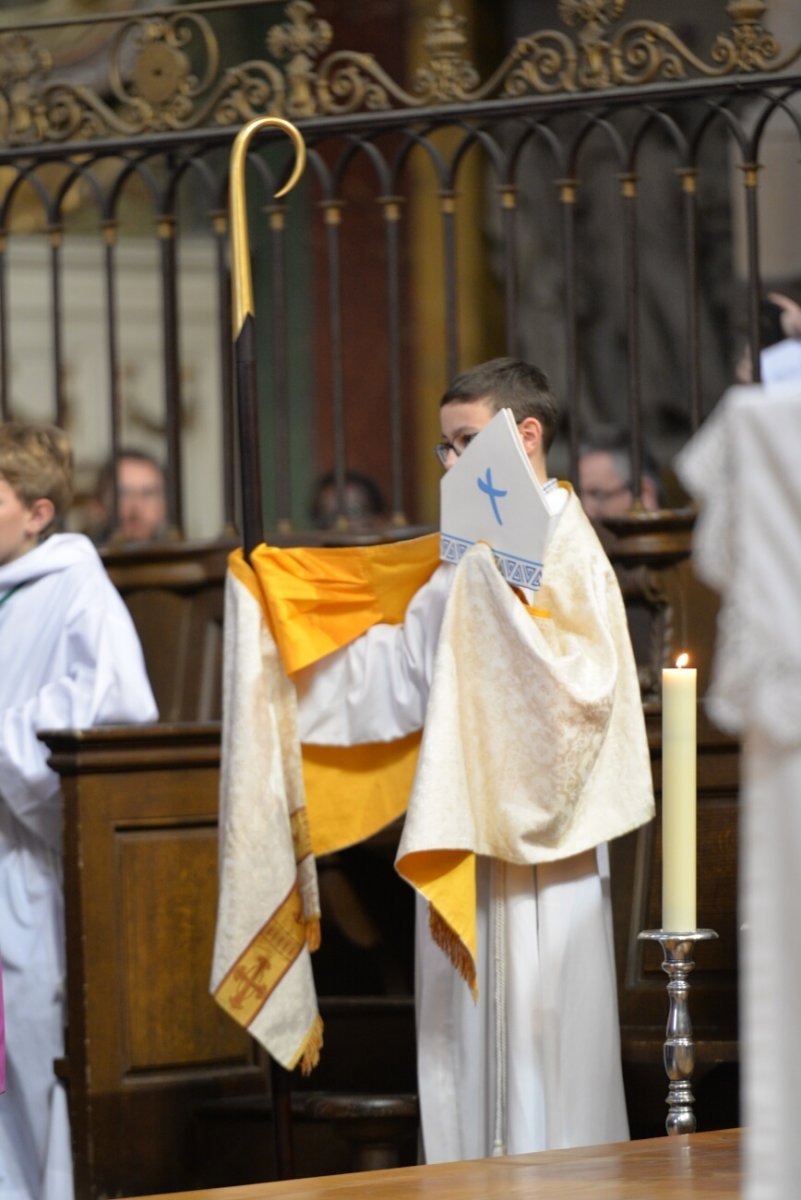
(679, 1050)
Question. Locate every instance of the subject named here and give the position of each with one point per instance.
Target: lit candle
(678, 797)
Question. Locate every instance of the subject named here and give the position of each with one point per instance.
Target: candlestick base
(679, 1049)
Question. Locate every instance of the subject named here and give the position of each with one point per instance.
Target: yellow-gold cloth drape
(279, 806)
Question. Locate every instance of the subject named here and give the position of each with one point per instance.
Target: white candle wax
(678, 799)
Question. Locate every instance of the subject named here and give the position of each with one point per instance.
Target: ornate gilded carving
(301, 40)
(21, 59)
(749, 47)
(595, 16)
(158, 91)
(448, 75)
(22, 67)
(163, 71)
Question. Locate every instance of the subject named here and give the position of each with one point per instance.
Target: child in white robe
(535, 1064)
(71, 659)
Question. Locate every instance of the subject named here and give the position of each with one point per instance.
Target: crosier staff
(248, 412)
(244, 318)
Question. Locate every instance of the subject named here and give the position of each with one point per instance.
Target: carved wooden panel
(164, 918)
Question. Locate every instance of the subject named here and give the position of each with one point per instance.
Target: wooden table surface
(677, 1168)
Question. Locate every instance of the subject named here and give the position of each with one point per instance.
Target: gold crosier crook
(243, 317)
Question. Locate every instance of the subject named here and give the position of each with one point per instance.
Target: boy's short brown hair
(509, 383)
(36, 461)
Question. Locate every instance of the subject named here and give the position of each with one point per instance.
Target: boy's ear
(40, 514)
(531, 433)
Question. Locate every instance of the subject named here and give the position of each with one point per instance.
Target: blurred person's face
(603, 492)
(358, 511)
(141, 503)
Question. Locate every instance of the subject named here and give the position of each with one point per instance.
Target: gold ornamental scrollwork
(164, 70)
(150, 70)
(153, 79)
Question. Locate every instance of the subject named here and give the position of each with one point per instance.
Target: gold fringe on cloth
(452, 945)
(313, 934)
(309, 1055)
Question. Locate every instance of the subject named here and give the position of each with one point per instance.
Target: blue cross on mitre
(485, 485)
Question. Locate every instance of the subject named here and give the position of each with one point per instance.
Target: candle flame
(682, 660)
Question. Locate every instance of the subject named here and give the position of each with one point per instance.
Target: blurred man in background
(141, 500)
(604, 471)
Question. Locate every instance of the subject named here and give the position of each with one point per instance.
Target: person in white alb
(534, 1062)
(71, 659)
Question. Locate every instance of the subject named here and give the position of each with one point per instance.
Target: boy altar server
(533, 756)
(71, 659)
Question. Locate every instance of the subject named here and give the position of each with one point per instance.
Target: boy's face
(460, 422)
(20, 526)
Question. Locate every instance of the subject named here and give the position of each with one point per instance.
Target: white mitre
(492, 495)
